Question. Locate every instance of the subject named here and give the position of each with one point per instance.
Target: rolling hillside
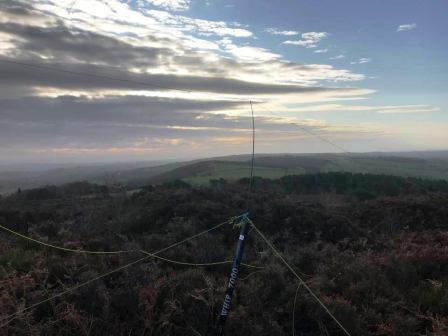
(424, 165)
(278, 166)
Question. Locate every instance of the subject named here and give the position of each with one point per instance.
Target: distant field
(231, 168)
(235, 170)
(407, 167)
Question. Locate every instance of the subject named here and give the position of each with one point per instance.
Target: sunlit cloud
(388, 109)
(309, 40)
(362, 61)
(274, 31)
(338, 57)
(408, 26)
(408, 109)
(174, 5)
(166, 82)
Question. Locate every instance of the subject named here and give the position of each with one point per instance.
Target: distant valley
(431, 165)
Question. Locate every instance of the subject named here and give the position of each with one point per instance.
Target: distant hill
(432, 165)
(278, 166)
(102, 174)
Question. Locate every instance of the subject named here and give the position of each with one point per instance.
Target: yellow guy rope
(304, 284)
(60, 247)
(196, 264)
(11, 317)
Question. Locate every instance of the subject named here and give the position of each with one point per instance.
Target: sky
(130, 80)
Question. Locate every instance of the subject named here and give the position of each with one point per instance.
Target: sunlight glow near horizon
(366, 86)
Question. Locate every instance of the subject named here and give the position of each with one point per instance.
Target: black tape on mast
(231, 283)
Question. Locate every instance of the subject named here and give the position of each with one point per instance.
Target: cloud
(111, 122)
(115, 110)
(174, 5)
(309, 40)
(337, 57)
(164, 57)
(132, 123)
(388, 109)
(408, 26)
(248, 53)
(157, 29)
(40, 76)
(362, 61)
(407, 109)
(98, 81)
(207, 27)
(275, 31)
(77, 45)
(321, 51)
